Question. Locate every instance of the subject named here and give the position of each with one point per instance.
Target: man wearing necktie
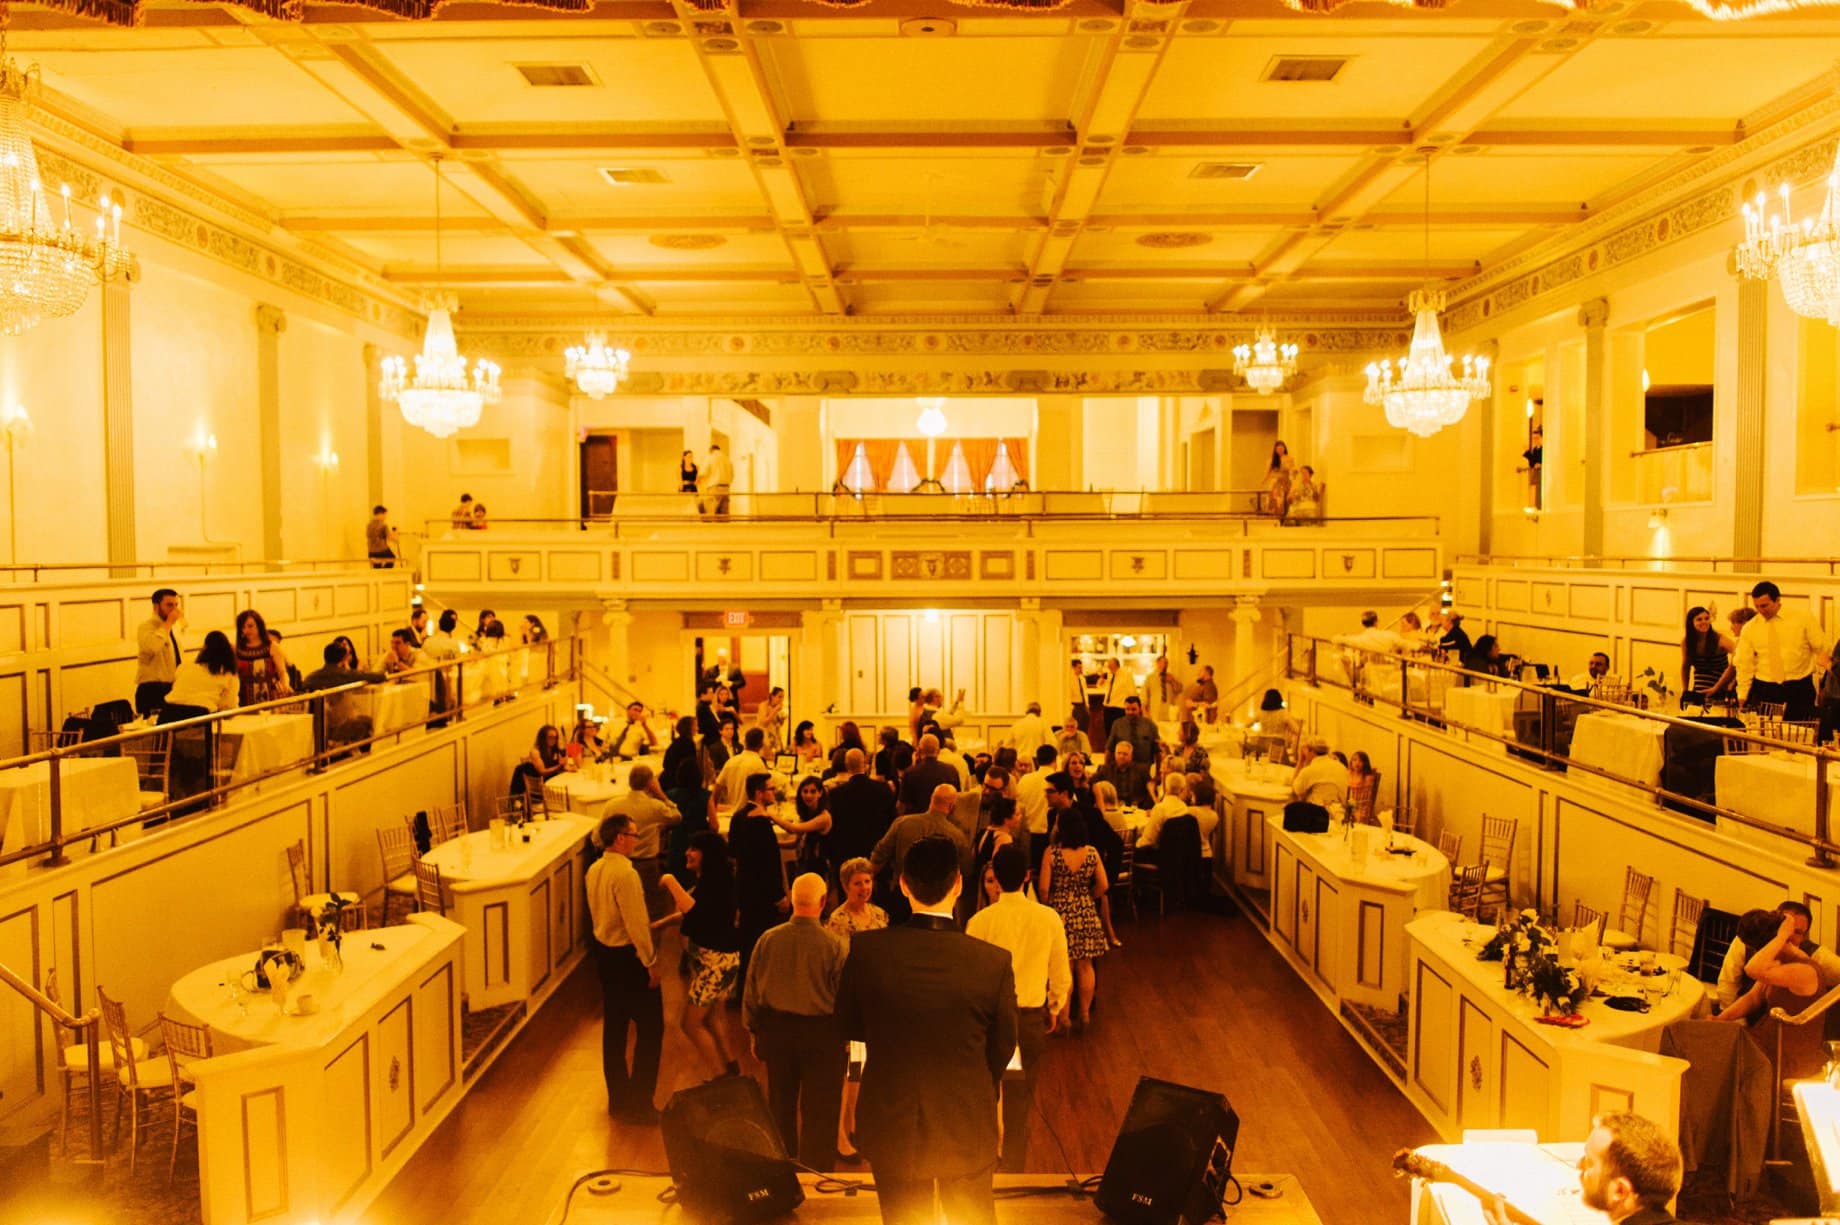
(1778, 651)
(158, 659)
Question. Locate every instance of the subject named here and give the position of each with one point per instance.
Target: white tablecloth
(270, 742)
(1425, 873)
(1485, 709)
(96, 790)
(1774, 787)
(393, 707)
(471, 858)
(1622, 744)
(246, 1018)
(589, 790)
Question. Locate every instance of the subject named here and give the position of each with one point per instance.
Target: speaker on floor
(725, 1154)
(1172, 1158)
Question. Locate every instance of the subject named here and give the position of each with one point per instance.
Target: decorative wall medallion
(1475, 1071)
(1347, 562)
(910, 564)
(724, 564)
(1137, 563)
(516, 562)
(395, 1073)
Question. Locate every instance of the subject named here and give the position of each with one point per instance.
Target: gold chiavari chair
(1632, 918)
(396, 846)
(1466, 889)
(1684, 929)
(1589, 916)
(1498, 852)
(184, 1043)
(429, 896)
(1450, 846)
(137, 1079)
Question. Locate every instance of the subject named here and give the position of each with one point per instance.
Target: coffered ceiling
(914, 157)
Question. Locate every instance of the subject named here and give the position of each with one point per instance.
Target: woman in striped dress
(1704, 653)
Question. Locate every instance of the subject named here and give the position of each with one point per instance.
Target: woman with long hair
(849, 736)
(696, 802)
(712, 947)
(546, 758)
(1073, 882)
(686, 473)
(1704, 652)
(770, 718)
(1278, 479)
(204, 685)
(533, 631)
(717, 749)
(261, 669)
(811, 818)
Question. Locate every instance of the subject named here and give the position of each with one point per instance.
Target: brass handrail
(1574, 561)
(321, 757)
(88, 1024)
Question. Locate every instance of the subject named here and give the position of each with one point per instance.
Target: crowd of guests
(1021, 846)
(1292, 491)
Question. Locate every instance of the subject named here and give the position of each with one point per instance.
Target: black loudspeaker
(1172, 1158)
(725, 1154)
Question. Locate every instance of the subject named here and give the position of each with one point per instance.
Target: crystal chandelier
(1804, 258)
(597, 370)
(1422, 394)
(442, 397)
(1265, 363)
(47, 264)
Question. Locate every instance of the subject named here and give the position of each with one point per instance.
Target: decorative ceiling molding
(1708, 194)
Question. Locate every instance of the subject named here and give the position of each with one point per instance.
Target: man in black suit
(937, 1011)
(927, 773)
(861, 809)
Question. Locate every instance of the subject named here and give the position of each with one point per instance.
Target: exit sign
(735, 620)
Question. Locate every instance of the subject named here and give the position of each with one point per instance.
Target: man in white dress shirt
(1777, 653)
(1028, 733)
(1037, 943)
(627, 962)
(1032, 792)
(731, 783)
(718, 475)
(1120, 686)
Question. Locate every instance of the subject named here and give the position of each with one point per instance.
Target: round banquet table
(590, 789)
(471, 859)
(1362, 858)
(245, 1019)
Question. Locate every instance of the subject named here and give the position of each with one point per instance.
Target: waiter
(158, 660)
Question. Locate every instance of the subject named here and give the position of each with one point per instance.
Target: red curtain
(980, 454)
(1019, 455)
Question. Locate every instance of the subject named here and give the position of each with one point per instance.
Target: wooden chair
(1685, 926)
(446, 822)
(1127, 870)
(137, 1079)
(1632, 918)
(308, 904)
(1363, 799)
(1589, 916)
(1466, 889)
(73, 1064)
(513, 808)
(1498, 852)
(428, 892)
(396, 847)
(152, 754)
(38, 742)
(1791, 731)
(1770, 710)
(1450, 845)
(184, 1043)
(1405, 820)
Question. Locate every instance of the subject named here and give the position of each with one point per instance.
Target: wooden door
(600, 478)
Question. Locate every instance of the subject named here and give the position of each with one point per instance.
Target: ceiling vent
(1224, 170)
(632, 176)
(1304, 68)
(557, 76)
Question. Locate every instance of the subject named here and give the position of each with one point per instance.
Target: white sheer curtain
(905, 475)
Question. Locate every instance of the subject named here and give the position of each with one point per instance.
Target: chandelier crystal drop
(597, 370)
(442, 396)
(1421, 393)
(1804, 257)
(47, 261)
(1265, 364)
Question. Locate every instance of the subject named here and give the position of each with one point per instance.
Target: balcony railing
(190, 567)
(1829, 564)
(1424, 682)
(457, 688)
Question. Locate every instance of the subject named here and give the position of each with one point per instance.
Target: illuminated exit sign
(735, 620)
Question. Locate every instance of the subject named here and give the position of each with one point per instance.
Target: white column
(271, 321)
(1245, 616)
(117, 419)
(619, 641)
(1747, 504)
(816, 682)
(1592, 316)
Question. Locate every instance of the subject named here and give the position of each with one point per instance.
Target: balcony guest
(1455, 641)
(1777, 654)
(344, 722)
(1704, 655)
(718, 474)
(627, 963)
(403, 655)
(158, 661)
(686, 473)
(378, 537)
(204, 686)
(1595, 671)
(260, 665)
(789, 1005)
(1278, 479)
(937, 1011)
(479, 516)
(1306, 496)
(418, 626)
(461, 519)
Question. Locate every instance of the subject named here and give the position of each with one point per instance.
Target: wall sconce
(1658, 518)
(1532, 513)
(203, 447)
(327, 462)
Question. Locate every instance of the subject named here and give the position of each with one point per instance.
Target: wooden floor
(1196, 998)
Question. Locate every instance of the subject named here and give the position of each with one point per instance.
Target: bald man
(935, 819)
(927, 772)
(789, 1005)
(861, 808)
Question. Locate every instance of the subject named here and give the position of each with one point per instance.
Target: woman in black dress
(686, 473)
(712, 947)
(1704, 652)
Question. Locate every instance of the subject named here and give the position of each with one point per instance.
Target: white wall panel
(897, 669)
(862, 663)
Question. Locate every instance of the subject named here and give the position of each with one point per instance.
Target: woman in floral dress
(1074, 882)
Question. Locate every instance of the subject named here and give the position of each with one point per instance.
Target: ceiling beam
(731, 62)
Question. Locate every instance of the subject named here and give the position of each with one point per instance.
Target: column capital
(1029, 604)
(1245, 610)
(270, 318)
(1595, 313)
